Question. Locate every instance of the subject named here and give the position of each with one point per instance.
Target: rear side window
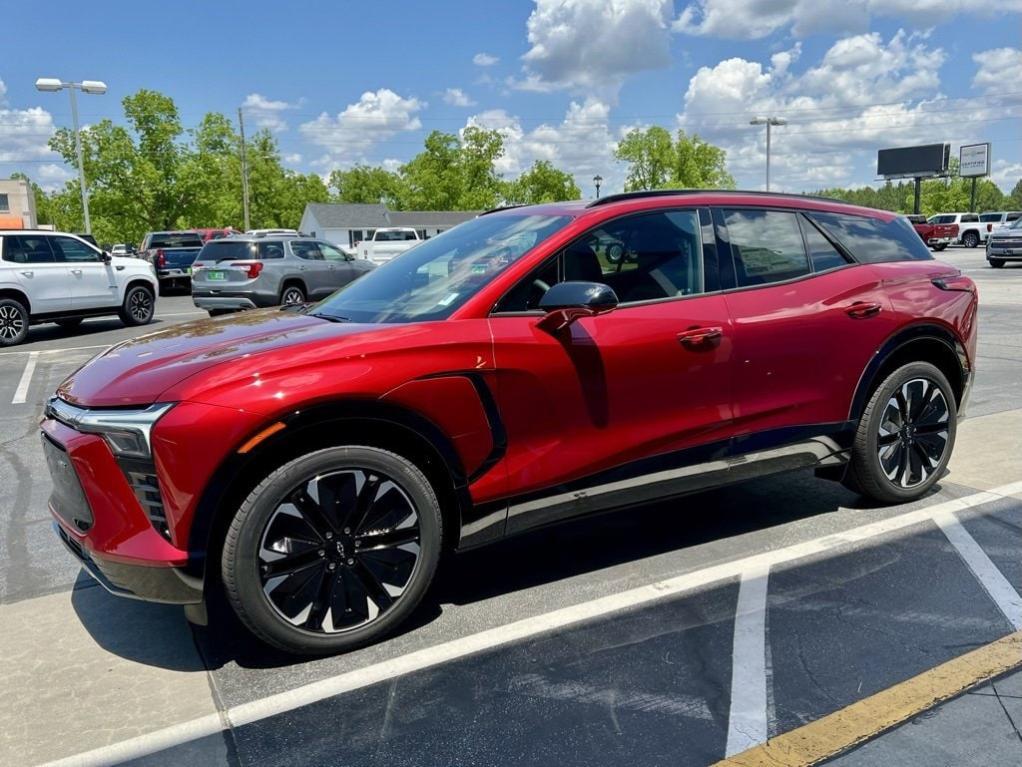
(270, 250)
(986, 217)
(29, 249)
(767, 246)
(872, 240)
(942, 219)
(225, 250)
(821, 252)
(970, 218)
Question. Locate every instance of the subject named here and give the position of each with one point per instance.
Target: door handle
(27, 274)
(76, 271)
(860, 310)
(700, 337)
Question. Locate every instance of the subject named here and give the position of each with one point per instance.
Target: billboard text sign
(974, 160)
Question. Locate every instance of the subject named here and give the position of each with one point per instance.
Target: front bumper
(169, 585)
(1004, 253)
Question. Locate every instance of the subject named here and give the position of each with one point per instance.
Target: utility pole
(768, 122)
(244, 169)
(972, 198)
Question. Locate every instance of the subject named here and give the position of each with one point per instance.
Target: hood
(138, 371)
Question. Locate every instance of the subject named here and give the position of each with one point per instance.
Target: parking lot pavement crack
(1014, 724)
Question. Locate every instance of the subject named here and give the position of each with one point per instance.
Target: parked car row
(55, 277)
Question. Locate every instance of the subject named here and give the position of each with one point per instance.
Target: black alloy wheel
(913, 433)
(339, 550)
(333, 550)
(13, 322)
(139, 306)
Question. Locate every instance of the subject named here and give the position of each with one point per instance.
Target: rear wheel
(138, 307)
(939, 247)
(333, 550)
(13, 322)
(292, 294)
(996, 263)
(970, 239)
(905, 436)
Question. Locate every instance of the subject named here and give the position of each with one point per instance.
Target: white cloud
(999, 69)
(267, 113)
(592, 45)
(1006, 174)
(293, 158)
(24, 136)
(864, 94)
(484, 60)
(375, 117)
(744, 19)
(457, 97)
(582, 144)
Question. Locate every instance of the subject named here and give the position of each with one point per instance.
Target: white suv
(970, 232)
(54, 277)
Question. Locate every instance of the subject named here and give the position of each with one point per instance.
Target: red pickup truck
(937, 236)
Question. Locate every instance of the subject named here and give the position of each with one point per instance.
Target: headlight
(127, 432)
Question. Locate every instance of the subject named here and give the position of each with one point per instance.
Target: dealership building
(17, 204)
(348, 223)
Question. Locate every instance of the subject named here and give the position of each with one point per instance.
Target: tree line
(151, 173)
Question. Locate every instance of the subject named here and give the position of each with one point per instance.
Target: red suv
(531, 365)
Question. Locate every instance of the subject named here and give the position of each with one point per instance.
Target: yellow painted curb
(867, 718)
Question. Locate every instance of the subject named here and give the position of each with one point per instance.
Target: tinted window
(766, 245)
(990, 217)
(73, 250)
(394, 236)
(307, 250)
(644, 257)
(225, 250)
(872, 240)
(970, 218)
(942, 219)
(175, 240)
(433, 279)
(29, 249)
(5, 205)
(822, 253)
(270, 250)
(1013, 216)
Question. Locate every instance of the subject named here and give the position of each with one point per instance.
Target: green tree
(368, 184)
(658, 161)
(1014, 198)
(541, 183)
(454, 173)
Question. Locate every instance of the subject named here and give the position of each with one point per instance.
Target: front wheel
(905, 436)
(139, 306)
(333, 550)
(940, 247)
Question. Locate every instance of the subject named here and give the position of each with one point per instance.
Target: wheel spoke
(389, 539)
(358, 512)
(321, 604)
(373, 587)
(312, 512)
(291, 563)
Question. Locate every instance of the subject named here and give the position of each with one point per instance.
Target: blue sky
(340, 83)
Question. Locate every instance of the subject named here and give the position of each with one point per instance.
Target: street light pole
(768, 122)
(50, 84)
(597, 179)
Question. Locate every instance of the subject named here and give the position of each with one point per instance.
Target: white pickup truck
(387, 243)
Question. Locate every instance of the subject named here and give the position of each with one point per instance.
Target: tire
(71, 323)
(289, 600)
(940, 247)
(970, 239)
(996, 263)
(615, 253)
(13, 322)
(292, 294)
(903, 466)
(139, 306)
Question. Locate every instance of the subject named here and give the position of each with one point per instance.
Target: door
(341, 272)
(93, 284)
(313, 268)
(806, 323)
(41, 272)
(618, 404)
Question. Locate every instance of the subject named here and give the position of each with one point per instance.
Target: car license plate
(215, 276)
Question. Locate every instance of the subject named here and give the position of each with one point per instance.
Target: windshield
(433, 279)
(1016, 224)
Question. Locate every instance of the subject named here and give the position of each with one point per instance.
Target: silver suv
(245, 272)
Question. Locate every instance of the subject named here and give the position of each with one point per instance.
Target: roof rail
(679, 192)
(503, 207)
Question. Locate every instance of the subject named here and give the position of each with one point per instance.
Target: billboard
(974, 160)
(914, 161)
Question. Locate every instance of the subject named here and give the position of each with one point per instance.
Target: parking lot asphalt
(680, 633)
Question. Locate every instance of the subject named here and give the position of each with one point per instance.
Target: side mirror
(105, 257)
(566, 302)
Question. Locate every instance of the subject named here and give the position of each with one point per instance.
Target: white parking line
(490, 639)
(56, 351)
(21, 393)
(747, 723)
(986, 572)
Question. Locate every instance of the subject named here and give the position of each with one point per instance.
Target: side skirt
(668, 476)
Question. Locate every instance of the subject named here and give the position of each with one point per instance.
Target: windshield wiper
(330, 317)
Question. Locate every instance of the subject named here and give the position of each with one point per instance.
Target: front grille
(141, 476)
